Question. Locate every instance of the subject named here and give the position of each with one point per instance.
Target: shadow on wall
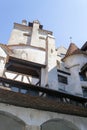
(10, 122)
(58, 124)
(53, 78)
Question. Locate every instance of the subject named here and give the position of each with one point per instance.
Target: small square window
(62, 79)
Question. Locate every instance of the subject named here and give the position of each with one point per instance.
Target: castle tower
(32, 73)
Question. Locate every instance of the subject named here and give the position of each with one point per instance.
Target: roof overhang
(23, 66)
(84, 47)
(42, 103)
(84, 68)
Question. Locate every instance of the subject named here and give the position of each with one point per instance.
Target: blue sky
(66, 18)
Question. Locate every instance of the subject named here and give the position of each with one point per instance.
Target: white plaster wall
(17, 37)
(2, 53)
(33, 117)
(30, 54)
(38, 37)
(42, 43)
(74, 63)
(75, 84)
(61, 50)
(44, 77)
(49, 74)
(35, 37)
(2, 65)
(2, 60)
(52, 65)
(75, 60)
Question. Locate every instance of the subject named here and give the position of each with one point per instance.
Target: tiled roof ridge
(71, 49)
(6, 48)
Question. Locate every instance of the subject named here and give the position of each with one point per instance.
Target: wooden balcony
(31, 96)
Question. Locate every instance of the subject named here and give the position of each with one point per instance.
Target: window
(62, 79)
(15, 89)
(84, 89)
(62, 55)
(83, 76)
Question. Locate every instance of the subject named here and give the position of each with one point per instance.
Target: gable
(2, 52)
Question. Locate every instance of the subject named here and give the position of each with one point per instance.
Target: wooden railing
(62, 97)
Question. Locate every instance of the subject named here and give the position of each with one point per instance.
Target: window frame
(62, 79)
(83, 90)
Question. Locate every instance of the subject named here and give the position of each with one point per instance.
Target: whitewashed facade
(58, 69)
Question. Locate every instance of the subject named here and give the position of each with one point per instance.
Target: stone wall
(34, 119)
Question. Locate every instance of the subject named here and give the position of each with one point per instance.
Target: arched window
(10, 122)
(57, 124)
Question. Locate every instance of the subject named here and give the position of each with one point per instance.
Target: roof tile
(72, 50)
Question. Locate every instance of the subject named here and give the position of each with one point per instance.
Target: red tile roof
(72, 50)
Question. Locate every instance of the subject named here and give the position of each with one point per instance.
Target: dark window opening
(30, 24)
(64, 72)
(83, 76)
(84, 89)
(15, 89)
(62, 55)
(62, 79)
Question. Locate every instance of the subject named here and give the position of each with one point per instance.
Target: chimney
(24, 22)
